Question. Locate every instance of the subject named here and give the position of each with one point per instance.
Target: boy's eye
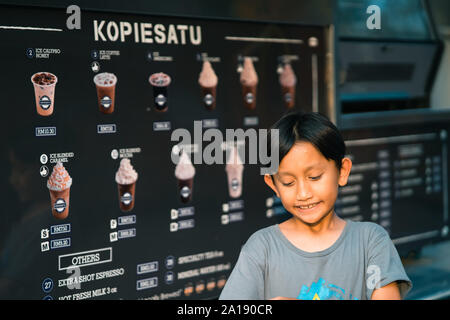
(287, 184)
(315, 178)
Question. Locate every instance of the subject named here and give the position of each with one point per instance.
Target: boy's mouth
(308, 207)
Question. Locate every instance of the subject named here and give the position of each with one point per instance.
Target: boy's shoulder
(262, 237)
(365, 231)
(369, 230)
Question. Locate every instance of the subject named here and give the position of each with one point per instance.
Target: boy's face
(305, 177)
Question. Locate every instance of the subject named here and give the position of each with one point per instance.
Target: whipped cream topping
(59, 180)
(287, 77)
(126, 173)
(184, 169)
(234, 161)
(207, 77)
(248, 74)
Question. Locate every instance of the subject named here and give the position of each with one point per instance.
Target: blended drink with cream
(184, 172)
(59, 184)
(234, 169)
(288, 80)
(208, 84)
(126, 178)
(249, 82)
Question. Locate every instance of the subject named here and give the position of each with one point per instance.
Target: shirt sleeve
(246, 281)
(384, 264)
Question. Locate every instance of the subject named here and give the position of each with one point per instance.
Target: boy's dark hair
(311, 127)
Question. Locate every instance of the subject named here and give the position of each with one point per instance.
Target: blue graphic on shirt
(320, 290)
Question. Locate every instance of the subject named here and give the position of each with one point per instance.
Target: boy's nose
(303, 192)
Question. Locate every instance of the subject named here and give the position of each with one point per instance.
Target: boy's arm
(384, 269)
(388, 292)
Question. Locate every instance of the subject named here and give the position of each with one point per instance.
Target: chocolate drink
(249, 96)
(209, 97)
(288, 96)
(186, 189)
(60, 203)
(126, 196)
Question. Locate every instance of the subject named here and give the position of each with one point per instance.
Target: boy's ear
(345, 171)
(268, 180)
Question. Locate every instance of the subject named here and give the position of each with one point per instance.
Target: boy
(315, 254)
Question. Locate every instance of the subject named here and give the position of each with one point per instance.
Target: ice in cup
(234, 169)
(184, 172)
(249, 82)
(126, 178)
(44, 91)
(288, 80)
(106, 91)
(208, 84)
(160, 83)
(59, 184)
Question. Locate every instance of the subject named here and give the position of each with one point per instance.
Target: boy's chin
(312, 219)
(310, 222)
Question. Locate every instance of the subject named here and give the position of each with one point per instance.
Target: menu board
(94, 205)
(399, 179)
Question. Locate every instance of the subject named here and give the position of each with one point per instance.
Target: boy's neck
(329, 223)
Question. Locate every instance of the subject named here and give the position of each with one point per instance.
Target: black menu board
(399, 180)
(94, 207)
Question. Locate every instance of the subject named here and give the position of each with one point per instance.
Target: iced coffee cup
(288, 80)
(59, 184)
(249, 82)
(44, 91)
(184, 172)
(208, 84)
(126, 178)
(106, 91)
(160, 83)
(234, 169)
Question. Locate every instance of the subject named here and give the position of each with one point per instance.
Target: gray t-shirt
(361, 260)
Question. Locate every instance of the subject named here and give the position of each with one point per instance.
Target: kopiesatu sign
(140, 32)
